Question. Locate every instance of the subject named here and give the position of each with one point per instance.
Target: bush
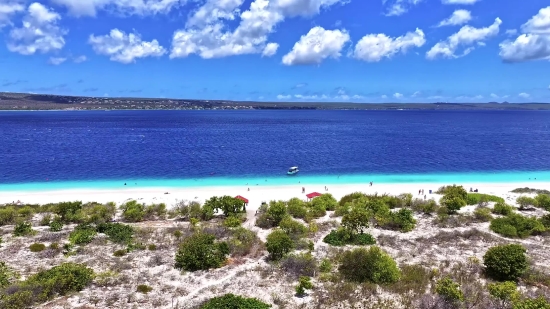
(372, 265)
(325, 201)
(227, 204)
(230, 301)
(37, 247)
(479, 198)
(23, 229)
(8, 216)
(505, 291)
(83, 234)
(142, 288)
(342, 237)
(525, 201)
(426, 207)
(278, 244)
(505, 262)
(537, 303)
(543, 201)
(325, 266)
(201, 252)
(242, 241)
(293, 228)
(402, 220)
(132, 211)
(272, 215)
(357, 219)
(449, 290)
(56, 225)
(46, 219)
(502, 209)
(98, 214)
(297, 208)
(483, 214)
(454, 198)
(232, 221)
(516, 225)
(69, 211)
(152, 247)
(7, 275)
(297, 265)
(350, 198)
(155, 211)
(117, 232)
(303, 284)
(120, 253)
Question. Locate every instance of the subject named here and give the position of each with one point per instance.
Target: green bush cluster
(143, 288)
(504, 291)
(342, 237)
(304, 283)
(543, 201)
(537, 303)
(7, 275)
(483, 214)
(36, 247)
(200, 251)
(230, 301)
(117, 232)
(449, 290)
(278, 244)
(505, 262)
(454, 198)
(373, 265)
(271, 215)
(56, 225)
(226, 204)
(515, 225)
(297, 208)
(479, 198)
(132, 211)
(119, 253)
(293, 228)
(530, 190)
(45, 285)
(232, 221)
(23, 229)
(242, 241)
(83, 234)
(502, 209)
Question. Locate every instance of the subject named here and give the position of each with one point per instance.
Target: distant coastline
(39, 102)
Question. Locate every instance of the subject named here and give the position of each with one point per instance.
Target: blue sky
(279, 50)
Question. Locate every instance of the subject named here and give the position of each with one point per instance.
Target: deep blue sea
(70, 149)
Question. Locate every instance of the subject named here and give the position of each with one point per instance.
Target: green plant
(543, 201)
(46, 219)
(54, 246)
(341, 237)
(516, 225)
(402, 220)
(325, 266)
(37, 247)
(454, 198)
(201, 252)
(8, 215)
(56, 225)
(119, 253)
(232, 221)
(297, 208)
(483, 214)
(242, 241)
(23, 229)
(372, 265)
(83, 234)
(142, 288)
(357, 219)
(449, 290)
(151, 247)
(270, 216)
(504, 291)
(177, 234)
(293, 228)
(325, 201)
(117, 232)
(7, 275)
(132, 211)
(278, 244)
(502, 209)
(304, 283)
(69, 211)
(525, 201)
(230, 301)
(505, 262)
(537, 303)
(479, 198)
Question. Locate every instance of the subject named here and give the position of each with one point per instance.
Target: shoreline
(256, 195)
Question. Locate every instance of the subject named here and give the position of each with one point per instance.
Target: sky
(279, 50)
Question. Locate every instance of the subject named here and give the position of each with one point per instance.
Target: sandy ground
(256, 195)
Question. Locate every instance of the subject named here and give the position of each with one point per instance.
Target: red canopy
(313, 194)
(242, 198)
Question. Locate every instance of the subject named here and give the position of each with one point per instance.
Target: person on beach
(248, 189)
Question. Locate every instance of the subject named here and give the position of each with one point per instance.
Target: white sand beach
(256, 195)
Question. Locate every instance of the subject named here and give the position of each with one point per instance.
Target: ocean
(99, 149)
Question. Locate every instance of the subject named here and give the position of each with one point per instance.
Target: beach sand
(256, 195)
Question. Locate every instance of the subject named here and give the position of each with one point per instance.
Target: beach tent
(313, 195)
(245, 200)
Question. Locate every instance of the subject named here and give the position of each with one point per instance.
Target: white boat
(293, 171)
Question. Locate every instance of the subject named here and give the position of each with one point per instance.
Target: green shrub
(7, 275)
(271, 215)
(23, 229)
(97, 214)
(155, 211)
(543, 201)
(230, 301)
(132, 211)
(342, 237)
(8, 216)
(56, 225)
(117, 232)
(372, 265)
(477, 198)
(242, 241)
(325, 201)
(402, 220)
(200, 251)
(120, 253)
(454, 198)
(37, 247)
(297, 208)
(46, 219)
(505, 262)
(151, 247)
(177, 234)
(537, 303)
(142, 288)
(504, 291)
(232, 221)
(304, 283)
(525, 201)
(293, 228)
(516, 225)
(426, 207)
(350, 198)
(54, 246)
(545, 220)
(449, 290)
(502, 209)
(69, 211)
(483, 214)
(530, 190)
(278, 244)
(325, 266)
(356, 220)
(83, 234)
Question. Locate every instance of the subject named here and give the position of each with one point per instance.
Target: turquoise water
(442, 178)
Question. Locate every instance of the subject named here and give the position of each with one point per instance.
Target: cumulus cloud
(80, 59)
(533, 44)
(458, 17)
(8, 8)
(125, 48)
(317, 45)
(397, 95)
(416, 94)
(459, 1)
(283, 97)
(399, 7)
(39, 32)
(384, 96)
(209, 36)
(127, 7)
(270, 49)
(524, 95)
(56, 60)
(374, 47)
(465, 37)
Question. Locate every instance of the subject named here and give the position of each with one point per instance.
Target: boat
(293, 171)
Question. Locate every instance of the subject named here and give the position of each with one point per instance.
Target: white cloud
(494, 96)
(39, 32)
(524, 95)
(317, 45)
(459, 1)
(374, 47)
(8, 8)
(400, 7)
(270, 49)
(416, 94)
(126, 7)
(209, 37)
(511, 32)
(384, 96)
(283, 97)
(458, 17)
(466, 37)
(125, 48)
(56, 60)
(397, 95)
(533, 44)
(80, 59)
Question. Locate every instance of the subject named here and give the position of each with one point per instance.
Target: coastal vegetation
(451, 250)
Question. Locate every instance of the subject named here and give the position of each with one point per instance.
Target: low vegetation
(231, 301)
